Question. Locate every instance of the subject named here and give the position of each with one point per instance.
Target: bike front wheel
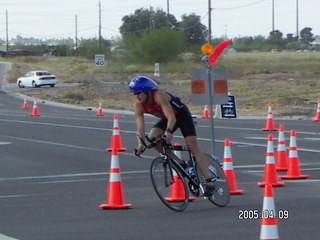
(170, 188)
(221, 195)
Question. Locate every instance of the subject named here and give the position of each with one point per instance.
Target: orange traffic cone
(293, 160)
(35, 110)
(282, 158)
(116, 138)
(269, 222)
(206, 112)
(228, 168)
(270, 173)
(269, 123)
(100, 110)
(115, 196)
(25, 104)
(177, 193)
(176, 189)
(317, 119)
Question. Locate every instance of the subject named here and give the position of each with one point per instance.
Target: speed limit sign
(99, 60)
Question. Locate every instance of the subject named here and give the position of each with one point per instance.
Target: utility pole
(209, 21)
(272, 15)
(76, 36)
(168, 10)
(100, 27)
(7, 35)
(150, 20)
(297, 18)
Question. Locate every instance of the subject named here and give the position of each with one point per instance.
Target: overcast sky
(56, 18)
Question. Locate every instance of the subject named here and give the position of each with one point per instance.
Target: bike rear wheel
(172, 191)
(221, 194)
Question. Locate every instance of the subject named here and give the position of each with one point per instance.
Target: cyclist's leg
(154, 133)
(192, 144)
(188, 130)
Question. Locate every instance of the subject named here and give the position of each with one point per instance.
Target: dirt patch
(292, 95)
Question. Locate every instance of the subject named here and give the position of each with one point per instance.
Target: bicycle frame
(171, 168)
(170, 160)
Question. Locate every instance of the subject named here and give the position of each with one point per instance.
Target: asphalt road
(54, 175)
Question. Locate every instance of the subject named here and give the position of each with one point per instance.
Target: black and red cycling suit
(183, 116)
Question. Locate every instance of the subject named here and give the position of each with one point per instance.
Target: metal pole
(297, 19)
(76, 35)
(205, 60)
(100, 27)
(272, 15)
(213, 145)
(209, 21)
(7, 35)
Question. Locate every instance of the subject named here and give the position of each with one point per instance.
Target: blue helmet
(142, 83)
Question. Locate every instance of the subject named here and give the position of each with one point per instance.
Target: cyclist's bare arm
(163, 99)
(140, 127)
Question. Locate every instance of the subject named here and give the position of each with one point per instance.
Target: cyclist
(173, 114)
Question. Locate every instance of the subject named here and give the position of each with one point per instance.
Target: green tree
(145, 20)
(89, 47)
(290, 38)
(162, 45)
(275, 39)
(62, 50)
(306, 36)
(193, 29)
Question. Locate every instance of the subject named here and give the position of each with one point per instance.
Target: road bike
(169, 177)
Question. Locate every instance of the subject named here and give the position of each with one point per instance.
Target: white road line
(5, 143)
(11, 196)
(134, 132)
(57, 125)
(69, 175)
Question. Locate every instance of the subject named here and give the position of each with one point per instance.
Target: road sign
(157, 69)
(229, 110)
(200, 86)
(99, 60)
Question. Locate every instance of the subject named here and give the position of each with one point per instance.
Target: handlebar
(154, 141)
(162, 140)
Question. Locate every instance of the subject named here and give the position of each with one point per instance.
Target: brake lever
(135, 153)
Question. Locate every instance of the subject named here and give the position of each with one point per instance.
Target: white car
(37, 79)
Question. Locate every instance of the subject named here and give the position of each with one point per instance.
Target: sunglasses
(137, 93)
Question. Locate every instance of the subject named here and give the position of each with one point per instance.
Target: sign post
(210, 85)
(157, 69)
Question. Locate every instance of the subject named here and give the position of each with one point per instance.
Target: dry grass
(290, 80)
